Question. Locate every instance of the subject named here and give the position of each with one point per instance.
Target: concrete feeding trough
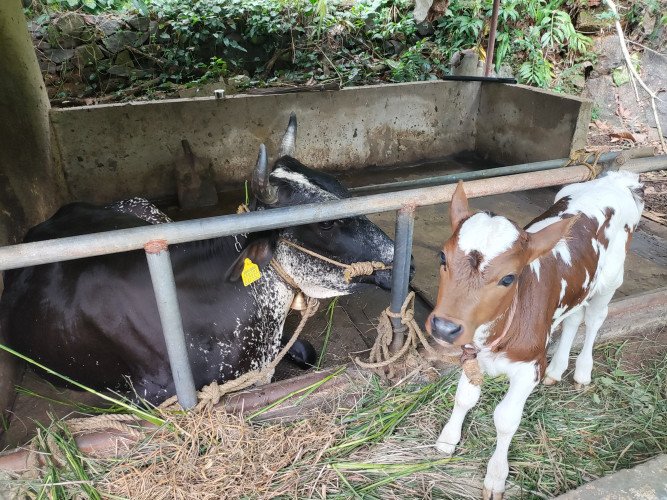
(115, 151)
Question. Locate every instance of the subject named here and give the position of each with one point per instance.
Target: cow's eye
(443, 259)
(507, 280)
(327, 224)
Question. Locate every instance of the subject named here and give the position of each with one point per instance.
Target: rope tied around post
(580, 157)
(380, 356)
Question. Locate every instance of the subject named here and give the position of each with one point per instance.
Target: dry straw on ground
(218, 455)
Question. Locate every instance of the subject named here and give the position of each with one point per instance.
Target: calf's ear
(545, 239)
(458, 208)
(258, 250)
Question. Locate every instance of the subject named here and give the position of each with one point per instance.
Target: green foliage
(537, 70)
(367, 41)
(417, 63)
(91, 5)
(595, 112)
(637, 9)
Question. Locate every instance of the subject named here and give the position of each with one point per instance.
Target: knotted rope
(123, 422)
(380, 356)
(580, 157)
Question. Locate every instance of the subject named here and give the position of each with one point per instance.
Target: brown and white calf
(503, 291)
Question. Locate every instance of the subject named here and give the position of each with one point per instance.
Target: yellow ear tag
(250, 272)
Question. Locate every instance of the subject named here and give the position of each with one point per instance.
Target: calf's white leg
(596, 313)
(507, 417)
(467, 395)
(561, 357)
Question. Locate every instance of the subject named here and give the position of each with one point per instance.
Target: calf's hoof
(445, 448)
(492, 495)
(581, 387)
(549, 381)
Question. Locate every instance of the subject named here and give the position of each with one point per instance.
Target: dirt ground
(355, 316)
(655, 192)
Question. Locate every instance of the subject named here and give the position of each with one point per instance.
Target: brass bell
(299, 302)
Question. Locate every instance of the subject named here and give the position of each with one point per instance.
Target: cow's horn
(288, 144)
(261, 185)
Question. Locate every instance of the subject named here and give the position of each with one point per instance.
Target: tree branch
(633, 72)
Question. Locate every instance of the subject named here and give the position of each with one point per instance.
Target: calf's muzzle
(443, 329)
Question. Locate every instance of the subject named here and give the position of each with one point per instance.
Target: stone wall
(81, 52)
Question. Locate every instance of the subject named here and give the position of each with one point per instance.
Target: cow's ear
(259, 250)
(458, 208)
(545, 239)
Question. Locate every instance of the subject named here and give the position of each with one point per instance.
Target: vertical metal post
(490, 48)
(164, 286)
(400, 276)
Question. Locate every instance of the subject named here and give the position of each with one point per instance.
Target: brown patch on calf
(461, 280)
(601, 236)
(475, 259)
(538, 299)
(554, 210)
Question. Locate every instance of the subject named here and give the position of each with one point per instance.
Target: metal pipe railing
(164, 287)
(400, 277)
(637, 165)
(124, 240)
(649, 164)
(473, 175)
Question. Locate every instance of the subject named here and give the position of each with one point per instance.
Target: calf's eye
(443, 259)
(507, 280)
(326, 225)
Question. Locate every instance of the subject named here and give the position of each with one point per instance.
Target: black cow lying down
(96, 320)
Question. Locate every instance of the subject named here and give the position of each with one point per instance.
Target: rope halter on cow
(349, 270)
(364, 268)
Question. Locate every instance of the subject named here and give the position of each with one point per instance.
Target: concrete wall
(115, 151)
(519, 124)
